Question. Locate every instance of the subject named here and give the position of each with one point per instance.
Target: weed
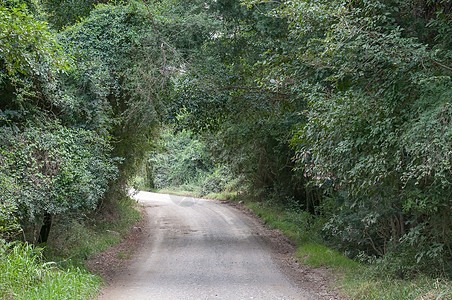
(126, 255)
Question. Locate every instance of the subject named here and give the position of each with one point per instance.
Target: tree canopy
(341, 107)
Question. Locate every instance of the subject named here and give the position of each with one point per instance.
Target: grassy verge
(177, 192)
(24, 274)
(358, 281)
(225, 195)
(57, 271)
(420, 288)
(73, 241)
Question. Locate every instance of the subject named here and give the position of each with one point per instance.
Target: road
(201, 249)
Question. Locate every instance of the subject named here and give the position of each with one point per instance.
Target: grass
(57, 271)
(25, 275)
(318, 255)
(75, 241)
(225, 195)
(127, 254)
(356, 280)
(421, 288)
(177, 192)
(193, 192)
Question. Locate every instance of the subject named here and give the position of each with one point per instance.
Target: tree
(26, 44)
(377, 85)
(48, 167)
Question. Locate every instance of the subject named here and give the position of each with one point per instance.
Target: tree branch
(254, 88)
(439, 64)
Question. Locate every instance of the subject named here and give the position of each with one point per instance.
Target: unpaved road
(202, 249)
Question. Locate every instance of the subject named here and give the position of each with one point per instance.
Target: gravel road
(201, 249)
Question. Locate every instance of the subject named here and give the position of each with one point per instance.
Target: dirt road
(202, 249)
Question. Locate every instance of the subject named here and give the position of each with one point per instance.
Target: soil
(112, 261)
(318, 281)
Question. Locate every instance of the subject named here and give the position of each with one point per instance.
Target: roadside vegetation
(25, 274)
(363, 277)
(67, 132)
(78, 240)
(359, 278)
(335, 115)
(56, 270)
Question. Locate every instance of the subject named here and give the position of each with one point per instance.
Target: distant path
(201, 249)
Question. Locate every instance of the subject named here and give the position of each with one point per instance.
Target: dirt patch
(319, 281)
(112, 261)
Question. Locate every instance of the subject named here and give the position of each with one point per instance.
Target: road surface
(201, 249)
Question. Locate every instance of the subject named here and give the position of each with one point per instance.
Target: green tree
(378, 88)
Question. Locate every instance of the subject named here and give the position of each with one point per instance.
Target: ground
(116, 264)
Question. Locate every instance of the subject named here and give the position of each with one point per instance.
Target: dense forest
(339, 108)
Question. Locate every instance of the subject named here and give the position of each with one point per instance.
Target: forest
(340, 110)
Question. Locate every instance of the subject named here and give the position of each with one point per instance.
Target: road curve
(200, 249)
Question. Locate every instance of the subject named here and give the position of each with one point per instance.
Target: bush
(182, 160)
(217, 181)
(53, 169)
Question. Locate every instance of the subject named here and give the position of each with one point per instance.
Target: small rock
(136, 229)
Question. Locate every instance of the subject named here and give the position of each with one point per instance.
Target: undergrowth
(24, 274)
(358, 281)
(77, 240)
(57, 271)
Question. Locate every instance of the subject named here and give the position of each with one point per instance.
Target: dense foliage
(378, 134)
(54, 170)
(339, 108)
(182, 161)
(47, 168)
(251, 123)
(75, 109)
(342, 107)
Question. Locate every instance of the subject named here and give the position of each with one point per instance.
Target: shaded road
(200, 249)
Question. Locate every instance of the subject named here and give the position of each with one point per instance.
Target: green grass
(126, 254)
(57, 272)
(356, 280)
(225, 195)
(368, 287)
(74, 241)
(300, 226)
(25, 275)
(318, 255)
(178, 191)
(194, 192)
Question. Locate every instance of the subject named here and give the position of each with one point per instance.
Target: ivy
(26, 44)
(54, 170)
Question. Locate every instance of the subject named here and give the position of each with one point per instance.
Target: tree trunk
(45, 228)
